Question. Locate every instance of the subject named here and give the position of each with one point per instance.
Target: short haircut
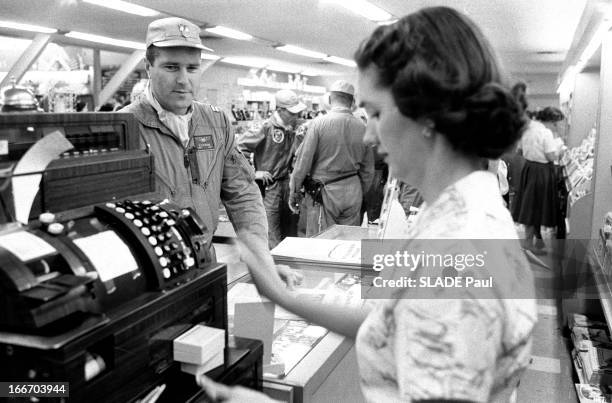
(153, 52)
(438, 66)
(341, 97)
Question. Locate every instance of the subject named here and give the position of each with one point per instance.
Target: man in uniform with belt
(195, 159)
(273, 146)
(334, 165)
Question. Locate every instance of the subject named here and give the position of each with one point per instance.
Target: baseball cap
(342, 86)
(174, 31)
(288, 99)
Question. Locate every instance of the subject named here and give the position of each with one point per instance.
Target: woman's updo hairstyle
(550, 114)
(440, 67)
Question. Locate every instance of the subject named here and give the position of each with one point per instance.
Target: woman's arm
(340, 319)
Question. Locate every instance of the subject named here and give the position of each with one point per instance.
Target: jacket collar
(147, 115)
(341, 109)
(277, 121)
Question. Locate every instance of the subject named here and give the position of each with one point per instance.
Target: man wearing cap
(273, 146)
(195, 158)
(334, 165)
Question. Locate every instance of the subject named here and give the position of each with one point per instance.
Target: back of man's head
(342, 92)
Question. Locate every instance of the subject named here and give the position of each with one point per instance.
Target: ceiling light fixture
(229, 33)
(363, 8)
(569, 76)
(388, 22)
(208, 56)
(283, 69)
(27, 27)
(125, 7)
(244, 61)
(296, 50)
(342, 61)
(105, 40)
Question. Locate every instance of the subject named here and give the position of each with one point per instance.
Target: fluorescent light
(310, 73)
(245, 61)
(388, 22)
(124, 6)
(594, 44)
(301, 51)
(283, 69)
(230, 33)
(27, 27)
(342, 61)
(364, 8)
(208, 56)
(105, 40)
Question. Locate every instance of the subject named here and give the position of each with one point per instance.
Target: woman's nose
(370, 138)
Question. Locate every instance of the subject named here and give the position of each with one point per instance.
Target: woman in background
(432, 90)
(537, 202)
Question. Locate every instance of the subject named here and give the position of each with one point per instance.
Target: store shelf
(603, 286)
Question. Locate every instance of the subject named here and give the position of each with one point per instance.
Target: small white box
(194, 369)
(199, 344)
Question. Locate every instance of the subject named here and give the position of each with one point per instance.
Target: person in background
(338, 165)
(436, 107)
(273, 147)
(537, 199)
(552, 118)
(196, 162)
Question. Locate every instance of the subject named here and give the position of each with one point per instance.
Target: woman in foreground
(436, 107)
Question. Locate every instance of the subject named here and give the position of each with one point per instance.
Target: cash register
(94, 294)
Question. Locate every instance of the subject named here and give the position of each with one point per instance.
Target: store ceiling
(530, 36)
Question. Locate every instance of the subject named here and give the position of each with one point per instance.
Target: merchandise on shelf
(592, 354)
(578, 163)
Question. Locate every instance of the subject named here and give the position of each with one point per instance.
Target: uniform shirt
(465, 349)
(537, 140)
(208, 170)
(272, 146)
(333, 146)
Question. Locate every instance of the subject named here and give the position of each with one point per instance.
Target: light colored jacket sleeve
(305, 157)
(239, 193)
(248, 141)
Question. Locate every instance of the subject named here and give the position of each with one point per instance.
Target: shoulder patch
(278, 135)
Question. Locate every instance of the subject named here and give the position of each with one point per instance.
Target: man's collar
(278, 121)
(341, 109)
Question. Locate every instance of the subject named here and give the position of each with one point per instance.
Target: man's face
(175, 77)
(288, 117)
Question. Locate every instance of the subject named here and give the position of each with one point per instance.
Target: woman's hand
(266, 276)
(217, 392)
(291, 277)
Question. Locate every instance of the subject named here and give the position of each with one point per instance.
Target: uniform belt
(339, 178)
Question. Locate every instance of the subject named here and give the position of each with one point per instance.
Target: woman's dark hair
(439, 66)
(519, 91)
(550, 114)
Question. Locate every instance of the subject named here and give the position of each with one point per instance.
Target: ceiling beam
(27, 58)
(124, 71)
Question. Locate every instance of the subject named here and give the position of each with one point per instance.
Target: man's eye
(193, 69)
(171, 68)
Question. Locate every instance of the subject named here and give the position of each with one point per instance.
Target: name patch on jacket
(204, 142)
